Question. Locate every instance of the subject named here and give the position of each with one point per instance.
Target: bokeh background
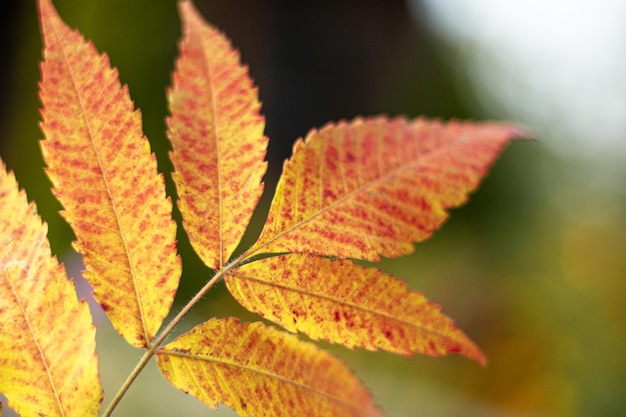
(533, 269)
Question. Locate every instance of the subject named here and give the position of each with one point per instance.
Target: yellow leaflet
(47, 341)
(256, 370)
(342, 302)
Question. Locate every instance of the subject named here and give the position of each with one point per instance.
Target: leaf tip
(513, 131)
(45, 6)
(521, 132)
(478, 356)
(187, 11)
(470, 350)
(47, 14)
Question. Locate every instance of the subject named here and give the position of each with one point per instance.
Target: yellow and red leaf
(48, 364)
(217, 137)
(372, 187)
(341, 302)
(104, 175)
(256, 370)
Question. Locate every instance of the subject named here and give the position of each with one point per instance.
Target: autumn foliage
(354, 190)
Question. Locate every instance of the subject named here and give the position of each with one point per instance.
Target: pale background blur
(533, 268)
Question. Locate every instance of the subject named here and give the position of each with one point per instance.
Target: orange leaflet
(256, 370)
(217, 137)
(374, 186)
(106, 178)
(342, 302)
(47, 341)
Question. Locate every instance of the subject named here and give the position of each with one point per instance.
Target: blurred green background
(533, 269)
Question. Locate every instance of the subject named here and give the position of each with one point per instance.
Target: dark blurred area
(540, 292)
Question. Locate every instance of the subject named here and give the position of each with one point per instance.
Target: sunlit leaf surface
(217, 136)
(256, 370)
(106, 178)
(374, 186)
(342, 302)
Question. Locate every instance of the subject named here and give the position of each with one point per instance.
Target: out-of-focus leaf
(48, 364)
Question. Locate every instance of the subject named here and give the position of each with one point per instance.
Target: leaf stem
(149, 353)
